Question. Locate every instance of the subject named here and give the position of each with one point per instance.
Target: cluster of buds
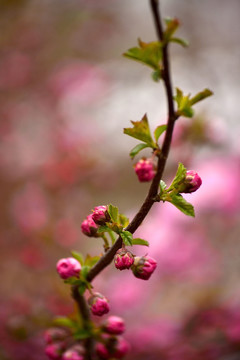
(98, 217)
(68, 267)
(98, 304)
(145, 170)
(57, 346)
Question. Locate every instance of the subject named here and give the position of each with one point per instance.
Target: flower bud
(98, 304)
(143, 267)
(72, 354)
(102, 351)
(191, 183)
(114, 347)
(54, 334)
(100, 215)
(123, 259)
(121, 349)
(54, 351)
(144, 170)
(68, 267)
(89, 227)
(114, 325)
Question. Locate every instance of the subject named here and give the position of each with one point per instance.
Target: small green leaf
(137, 149)
(64, 321)
(103, 228)
(78, 256)
(85, 269)
(172, 25)
(201, 96)
(163, 186)
(149, 54)
(124, 221)
(157, 75)
(184, 104)
(82, 287)
(159, 131)
(180, 41)
(113, 212)
(72, 280)
(141, 131)
(127, 237)
(81, 334)
(184, 206)
(139, 241)
(179, 177)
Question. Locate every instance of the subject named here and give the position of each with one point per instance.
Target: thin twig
(107, 258)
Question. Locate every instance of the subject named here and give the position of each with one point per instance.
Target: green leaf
(149, 54)
(137, 149)
(64, 321)
(157, 75)
(113, 212)
(72, 280)
(127, 237)
(85, 269)
(141, 131)
(78, 256)
(179, 177)
(81, 334)
(159, 131)
(82, 287)
(180, 41)
(163, 186)
(184, 206)
(103, 228)
(172, 25)
(124, 221)
(201, 96)
(139, 241)
(184, 104)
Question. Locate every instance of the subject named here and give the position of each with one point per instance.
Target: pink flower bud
(144, 170)
(100, 215)
(123, 259)
(114, 325)
(89, 227)
(98, 304)
(143, 267)
(121, 349)
(68, 267)
(72, 354)
(54, 334)
(54, 351)
(102, 351)
(191, 183)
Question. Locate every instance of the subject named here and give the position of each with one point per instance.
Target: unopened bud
(144, 170)
(54, 351)
(123, 259)
(54, 334)
(89, 227)
(68, 267)
(98, 304)
(192, 182)
(100, 215)
(114, 325)
(143, 267)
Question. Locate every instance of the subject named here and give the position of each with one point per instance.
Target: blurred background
(65, 95)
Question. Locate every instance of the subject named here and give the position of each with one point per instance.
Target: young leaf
(126, 237)
(82, 287)
(184, 206)
(85, 269)
(149, 54)
(137, 149)
(139, 241)
(78, 256)
(184, 104)
(179, 177)
(113, 212)
(103, 228)
(157, 75)
(172, 25)
(180, 41)
(201, 96)
(141, 131)
(64, 321)
(163, 186)
(81, 334)
(71, 281)
(159, 131)
(124, 221)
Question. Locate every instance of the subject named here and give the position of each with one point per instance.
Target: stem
(84, 311)
(162, 157)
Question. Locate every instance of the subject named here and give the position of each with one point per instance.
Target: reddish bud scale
(98, 304)
(68, 267)
(143, 267)
(123, 259)
(144, 170)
